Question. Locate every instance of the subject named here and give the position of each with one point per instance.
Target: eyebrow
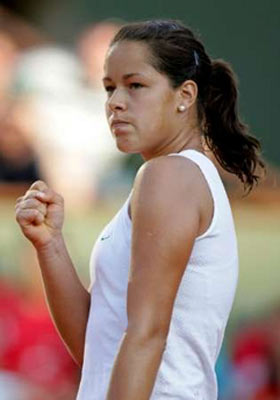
(126, 76)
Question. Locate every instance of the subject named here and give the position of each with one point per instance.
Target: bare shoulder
(172, 187)
(171, 176)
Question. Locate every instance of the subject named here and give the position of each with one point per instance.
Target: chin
(126, 147)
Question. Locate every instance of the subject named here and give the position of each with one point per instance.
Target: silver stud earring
(181, 108)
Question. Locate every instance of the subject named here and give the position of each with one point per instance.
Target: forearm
(135, 369)
(67, 298)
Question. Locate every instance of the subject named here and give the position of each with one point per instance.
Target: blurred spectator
(13, 387)
(271, 389)
(70, 132)
(250, 358)
(30, 349)
(50, 80)
(23, 35)
(34, 364)
(92, 47)
(18, 162)
(256, 358)
(8, 56)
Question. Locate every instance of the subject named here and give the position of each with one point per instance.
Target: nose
(116, 101)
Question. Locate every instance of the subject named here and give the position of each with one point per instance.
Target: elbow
(148, 338)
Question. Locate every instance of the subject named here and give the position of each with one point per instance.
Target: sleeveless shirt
(200, 313)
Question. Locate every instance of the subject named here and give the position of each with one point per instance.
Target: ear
(187, 93)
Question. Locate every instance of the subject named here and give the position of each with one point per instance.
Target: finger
(39, 185)
(31, 194)
(18, 200)
(37, 219)
(45, 196)
(28, 216)
(50, 196)
(34, 204)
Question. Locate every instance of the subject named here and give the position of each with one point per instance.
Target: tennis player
(166, 267)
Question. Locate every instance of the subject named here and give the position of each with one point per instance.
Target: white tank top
(201, 308)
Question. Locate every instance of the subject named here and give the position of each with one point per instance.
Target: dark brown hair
(180, 55)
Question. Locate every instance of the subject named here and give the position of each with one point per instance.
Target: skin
(143, 97)
(168, 191)
(40, 214)
(139, 94)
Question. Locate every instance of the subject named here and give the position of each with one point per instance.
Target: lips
(118, 123)
(119, 126)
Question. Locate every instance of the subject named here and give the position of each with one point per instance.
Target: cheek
(149, 118)
(107, 111)
(152, 125)
(160, 114)
(106, 107)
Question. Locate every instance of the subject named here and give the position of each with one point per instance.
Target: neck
(182, 141)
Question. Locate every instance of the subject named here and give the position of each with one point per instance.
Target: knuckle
(22, 205)
(19, 216)
(27, 194)
(30, 203)
(33, 202)
(31, 194)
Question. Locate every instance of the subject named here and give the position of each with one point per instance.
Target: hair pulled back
(178, 54)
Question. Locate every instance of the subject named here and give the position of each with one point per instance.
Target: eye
(135, 85)
(109, 89)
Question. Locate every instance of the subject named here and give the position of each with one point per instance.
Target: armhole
(128, 209)
(214, 214)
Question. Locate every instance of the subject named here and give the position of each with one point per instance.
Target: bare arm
(67, 298)
(166, 220)
(40, 216)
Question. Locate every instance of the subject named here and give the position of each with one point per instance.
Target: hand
(40, 214)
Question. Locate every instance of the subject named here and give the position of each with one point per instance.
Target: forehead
(126, 56)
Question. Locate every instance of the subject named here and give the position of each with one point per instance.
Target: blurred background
(52, 127)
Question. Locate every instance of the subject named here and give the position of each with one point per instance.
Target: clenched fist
(40, 214)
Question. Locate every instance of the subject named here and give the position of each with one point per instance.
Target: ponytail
(235, 149)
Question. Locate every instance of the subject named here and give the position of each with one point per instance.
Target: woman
(166, 266)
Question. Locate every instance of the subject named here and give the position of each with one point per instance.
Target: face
(141, 105)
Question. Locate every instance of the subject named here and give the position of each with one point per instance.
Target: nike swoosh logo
(105, 237)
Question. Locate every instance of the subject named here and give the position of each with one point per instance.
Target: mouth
(119, 126)
(117, 123)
